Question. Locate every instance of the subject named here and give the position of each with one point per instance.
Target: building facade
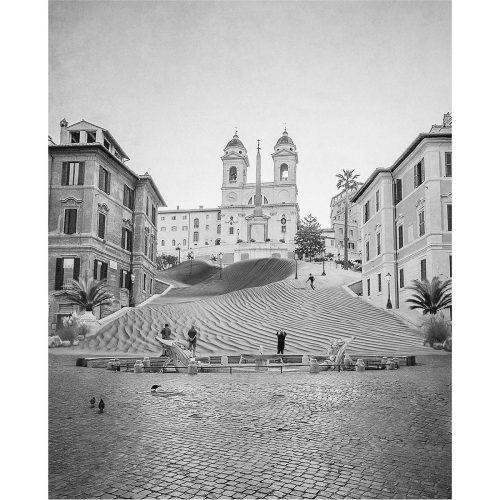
(406, 226)
(232, 228)
(102, 219)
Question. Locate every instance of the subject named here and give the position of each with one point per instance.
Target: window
(400, 236)
(124, 279)
(350, 245)
(367, 248)
(283, 172)
(128, 197)
(146, 244)
(73, 173)
(107, 145)
(74, 137)
(332, 242)
(66, 269)
(351, 233)
(184, 217)
(218, 216)
(207, 216)
(341, 231)
(398, 191)
(150, 285)
(173, 243)
(450, 265)
(153, 215)
(447, 164)
(184, 242)
(233, 174)
(217, 241)
(377, 200)
(174, 228)
(448, 216)
(100, 270)
(70, 221)
(104, 180)
(196, 236)
(368, 287)
(418, 173)
(144, 278)
(126, 239)
(366, 211)
(423, 269)
(173, 217)
(91, 136)
(421, 223)
(378, 244)
(117, 154)
(197, 223)
(162, 243)
(401, 278)
(147, 206)
(207, 227)
(101, 225)
(283, 229)
(379, 280)
(218, 228)
(231, 230)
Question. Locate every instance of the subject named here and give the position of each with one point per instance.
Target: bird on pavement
(101, 406)
(92, 402)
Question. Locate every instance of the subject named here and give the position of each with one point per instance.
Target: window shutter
(422, 171)
(72, 221)
(123, 237)
(65, 174)
(101, 180)
(104, 271)
(59, 274)
(76, 268)
(95, 269)
(81, 174)
(108, 181)
(66, 222)
(415, 178)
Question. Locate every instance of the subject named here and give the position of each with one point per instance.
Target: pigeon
(154, 387)
(92, 402)
(101, 406)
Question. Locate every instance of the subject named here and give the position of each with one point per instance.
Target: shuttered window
(70, 215)
(419, 173)
(377, 200)
(128, 197)
(367, 253)
(366, 211)
(73, 173)
(423, 269)
(400, 236)
(101, 227)
(421, 223)
(379, 278)
(66, 269)
(104, 180)
(398, 191)
(447, 164)
(125, 279)
(126, 239)
(448, 217)
(401, 278)
(378, 244)
(100, 270)
(368, 287)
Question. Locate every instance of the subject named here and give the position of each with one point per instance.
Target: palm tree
(347, 181)
(430, 297)
(88, 293)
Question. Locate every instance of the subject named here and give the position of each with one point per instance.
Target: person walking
(311, 279)
(281, 334)
(192, 336)
(165, 333)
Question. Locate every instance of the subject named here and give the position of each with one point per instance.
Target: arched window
(217, 241)
(283, 172)
(173, 243)
(184, 242)
(162, 243)
(265, 201)
(197, 223)
(233, 174)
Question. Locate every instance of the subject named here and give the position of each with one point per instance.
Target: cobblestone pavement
(377, 434)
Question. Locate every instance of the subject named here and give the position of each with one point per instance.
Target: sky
(355, 82)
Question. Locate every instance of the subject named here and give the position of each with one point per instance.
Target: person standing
(311, 279)
(165, 333)
(281, 334)
(192, 336)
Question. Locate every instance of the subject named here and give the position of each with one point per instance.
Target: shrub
(239, 241)
(67, 333)
(268, 240)
(436, 329)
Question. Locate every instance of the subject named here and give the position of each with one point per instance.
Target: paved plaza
(377, 434)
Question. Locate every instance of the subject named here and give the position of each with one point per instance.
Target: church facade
(255, 219)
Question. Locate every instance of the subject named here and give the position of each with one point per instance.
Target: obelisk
(258, 191)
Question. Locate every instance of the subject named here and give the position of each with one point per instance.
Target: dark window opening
(401, 278)
(366, 211)
(100, 270)
(448, 214)
(233, 174)
(447, 164)
(101, 227)
(91, 136)
(127, 239)
(377, 201)
(421, 223)
(398, 191)
(107, 145)
(423, 269)
(400, 236)
(367, 255)
(70, 215)
(378, 244)
(419, 173)
(368, 287)
(104, 180)
(74, 137)
(128, 197)
(379, 279)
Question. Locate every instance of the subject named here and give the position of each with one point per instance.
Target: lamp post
(220, 265)
(178, 248)
(323, 259)
(190, 256)
(296, 260)
(389, 303)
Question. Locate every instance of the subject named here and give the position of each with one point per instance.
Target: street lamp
(190, 256)
(178, 248)
(296, 260)
(220, 265)
(389, 303)
(323, 259)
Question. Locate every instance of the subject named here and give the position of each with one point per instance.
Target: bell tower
(234, 163)
(285, 159)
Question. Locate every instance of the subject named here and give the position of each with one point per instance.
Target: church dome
(285, 140)
(235, 143)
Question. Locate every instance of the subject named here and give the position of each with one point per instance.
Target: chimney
(200, 206)
(447, 120)
(64, 132)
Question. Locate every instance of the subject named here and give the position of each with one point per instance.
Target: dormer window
(74, 137)
(91, 136)
(118, 155)
(107, 145)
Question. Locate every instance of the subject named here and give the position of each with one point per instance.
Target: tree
(347, 182)
(308, 239)
(430, 297)
(165, 261)
(88, 293)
